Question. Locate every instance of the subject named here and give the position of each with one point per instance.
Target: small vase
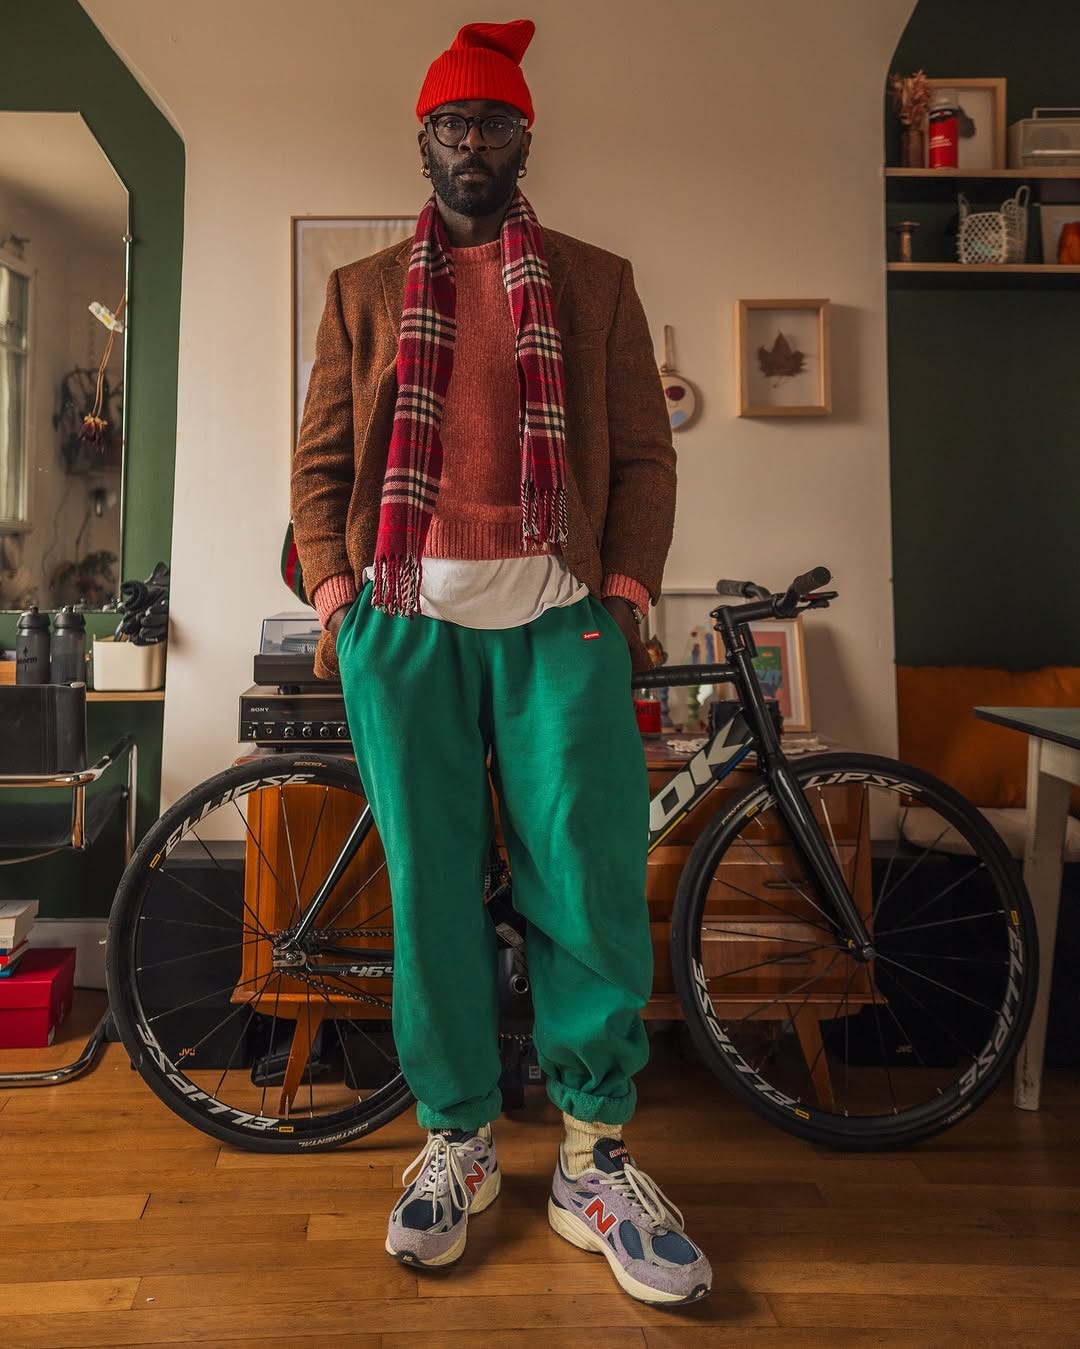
(912, 148)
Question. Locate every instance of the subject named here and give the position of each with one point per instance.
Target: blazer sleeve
(641, 496)
(322, 465)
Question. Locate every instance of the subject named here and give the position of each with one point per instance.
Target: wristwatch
(639, 616)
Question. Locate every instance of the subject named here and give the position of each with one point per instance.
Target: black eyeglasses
(497, 129)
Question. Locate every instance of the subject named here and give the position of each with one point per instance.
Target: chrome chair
(47, 827)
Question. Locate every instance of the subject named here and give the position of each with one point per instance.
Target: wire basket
(994, 236)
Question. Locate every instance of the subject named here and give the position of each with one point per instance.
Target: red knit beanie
(484, 62)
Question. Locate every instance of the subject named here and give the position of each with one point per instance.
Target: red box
(36, 998)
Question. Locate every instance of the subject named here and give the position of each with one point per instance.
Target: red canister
(944, 127)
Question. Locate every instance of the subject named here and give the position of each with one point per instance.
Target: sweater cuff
(626, 588)
(332, 593)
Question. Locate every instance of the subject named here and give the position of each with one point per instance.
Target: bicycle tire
(713, 1032)
(165, 1077)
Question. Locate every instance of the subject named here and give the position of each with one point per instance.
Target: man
(483, 494)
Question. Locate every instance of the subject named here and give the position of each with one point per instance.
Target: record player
(287, 707)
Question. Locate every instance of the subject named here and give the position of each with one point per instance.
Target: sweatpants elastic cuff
(469, 1115)
(584, 1106)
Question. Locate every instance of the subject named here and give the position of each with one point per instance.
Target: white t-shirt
(505, 592)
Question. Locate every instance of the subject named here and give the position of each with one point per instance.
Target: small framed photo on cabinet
(783, 361)
(780, 665)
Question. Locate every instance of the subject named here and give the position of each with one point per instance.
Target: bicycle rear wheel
(840, 1051)
(268, 1043)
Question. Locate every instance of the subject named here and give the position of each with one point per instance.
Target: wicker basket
(994, 236)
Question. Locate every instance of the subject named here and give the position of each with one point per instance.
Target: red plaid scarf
(424, 364)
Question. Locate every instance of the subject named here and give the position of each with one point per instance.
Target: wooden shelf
(1008, 175)
(941, 185)
(982, 275)
(120, 696)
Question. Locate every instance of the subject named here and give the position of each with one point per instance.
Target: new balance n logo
(475, 1178)
(602, 1220)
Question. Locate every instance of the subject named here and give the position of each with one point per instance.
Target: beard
(485, 197)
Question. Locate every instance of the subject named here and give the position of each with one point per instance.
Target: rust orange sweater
(478, 511)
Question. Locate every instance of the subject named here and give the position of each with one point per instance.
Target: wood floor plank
(262, 1287)
(247, 1189)
(928, 1315)
(833, 1337)
(624, 1338)
(928, 1197)
(580, 1315)
(58, 1296)
(47, 1237)
(68, 1212)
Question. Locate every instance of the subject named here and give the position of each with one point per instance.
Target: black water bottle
(69, 647)
(32, 648)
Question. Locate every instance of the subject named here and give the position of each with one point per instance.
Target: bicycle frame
(750, 728)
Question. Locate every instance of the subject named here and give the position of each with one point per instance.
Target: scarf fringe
(396, 586)
(543, 514)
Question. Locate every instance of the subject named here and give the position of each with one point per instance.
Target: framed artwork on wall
(320, 244)
(781, 669)
(783, 360)
(982, 122)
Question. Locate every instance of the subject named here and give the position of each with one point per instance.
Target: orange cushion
(939, 732)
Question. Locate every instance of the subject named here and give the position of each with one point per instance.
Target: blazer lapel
(393, 284)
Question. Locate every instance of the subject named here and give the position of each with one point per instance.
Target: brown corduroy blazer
(620, 459)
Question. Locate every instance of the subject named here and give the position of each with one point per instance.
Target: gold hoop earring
(522, 171)
(425, 170)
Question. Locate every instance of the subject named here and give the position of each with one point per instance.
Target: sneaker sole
(484, 1198)
(577, 1234)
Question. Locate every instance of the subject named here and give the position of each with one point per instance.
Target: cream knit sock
(577, 1147)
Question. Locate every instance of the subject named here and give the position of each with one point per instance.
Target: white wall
(729, 149)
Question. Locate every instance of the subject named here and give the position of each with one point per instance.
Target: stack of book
(16, 924)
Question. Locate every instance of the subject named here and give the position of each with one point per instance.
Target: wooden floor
(124, 1226)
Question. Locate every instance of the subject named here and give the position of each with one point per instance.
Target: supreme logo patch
(588, 636)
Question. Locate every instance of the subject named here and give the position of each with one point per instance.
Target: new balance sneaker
(456, 1176)
(616, 1210)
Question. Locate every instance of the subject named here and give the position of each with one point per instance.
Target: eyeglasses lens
(495, 132)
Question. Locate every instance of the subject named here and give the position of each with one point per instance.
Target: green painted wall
(985, 396)
(55, 60)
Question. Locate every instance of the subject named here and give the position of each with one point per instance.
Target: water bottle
(69, 647)
(943, 124)
(32, 648)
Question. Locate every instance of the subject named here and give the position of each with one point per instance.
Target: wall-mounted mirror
(63, 247)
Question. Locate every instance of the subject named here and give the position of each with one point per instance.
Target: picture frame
(1053, 218)
(983, 102)
(781, 668)
(321, 244)
(783, 358)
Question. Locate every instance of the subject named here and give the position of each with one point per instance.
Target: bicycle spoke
(194, 955)
(259, 848)
(193, 1002)
(758, 936)
(944, 922)
(314, 836)
(233, 918)
(292, 857)
(778, 960)
(911, 870)
(789, 882)
(881, 1043)
(779, 908)
(356, 895)
(787, 993)
(938, 984)
(948, 890)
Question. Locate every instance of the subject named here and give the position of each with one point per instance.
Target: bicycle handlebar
(765, 604)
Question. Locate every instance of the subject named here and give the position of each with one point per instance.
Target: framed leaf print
(782, 351)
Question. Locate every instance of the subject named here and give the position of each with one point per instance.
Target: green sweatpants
(426, 701)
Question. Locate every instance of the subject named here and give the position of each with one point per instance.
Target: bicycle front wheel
(256, 1030)
(838, 1050)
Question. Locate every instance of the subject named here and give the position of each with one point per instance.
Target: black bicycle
(852, 946)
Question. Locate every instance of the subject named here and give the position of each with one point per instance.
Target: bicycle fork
(823, 866)
(794, 807)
